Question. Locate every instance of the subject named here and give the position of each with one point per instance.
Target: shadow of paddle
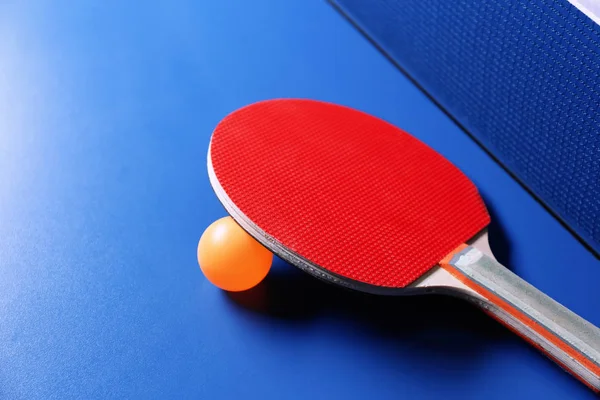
(449, 333)
(499, 242)
(289, 293)
(438, 325)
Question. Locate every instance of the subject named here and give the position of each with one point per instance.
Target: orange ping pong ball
(230, 258)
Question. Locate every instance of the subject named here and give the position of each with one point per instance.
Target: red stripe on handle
(525, 321)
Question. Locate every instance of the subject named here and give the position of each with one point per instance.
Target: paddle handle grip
(566, 338)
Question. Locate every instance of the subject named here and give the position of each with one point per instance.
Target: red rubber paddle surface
(345, 190)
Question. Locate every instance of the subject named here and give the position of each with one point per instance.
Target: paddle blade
(344, 190)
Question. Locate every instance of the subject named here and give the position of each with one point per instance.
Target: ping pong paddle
(355, 201)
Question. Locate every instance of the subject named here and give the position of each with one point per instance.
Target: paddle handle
(569, 340)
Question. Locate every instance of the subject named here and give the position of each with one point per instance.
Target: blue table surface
(106, 110)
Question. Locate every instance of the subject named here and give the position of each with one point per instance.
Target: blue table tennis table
(106, 110)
